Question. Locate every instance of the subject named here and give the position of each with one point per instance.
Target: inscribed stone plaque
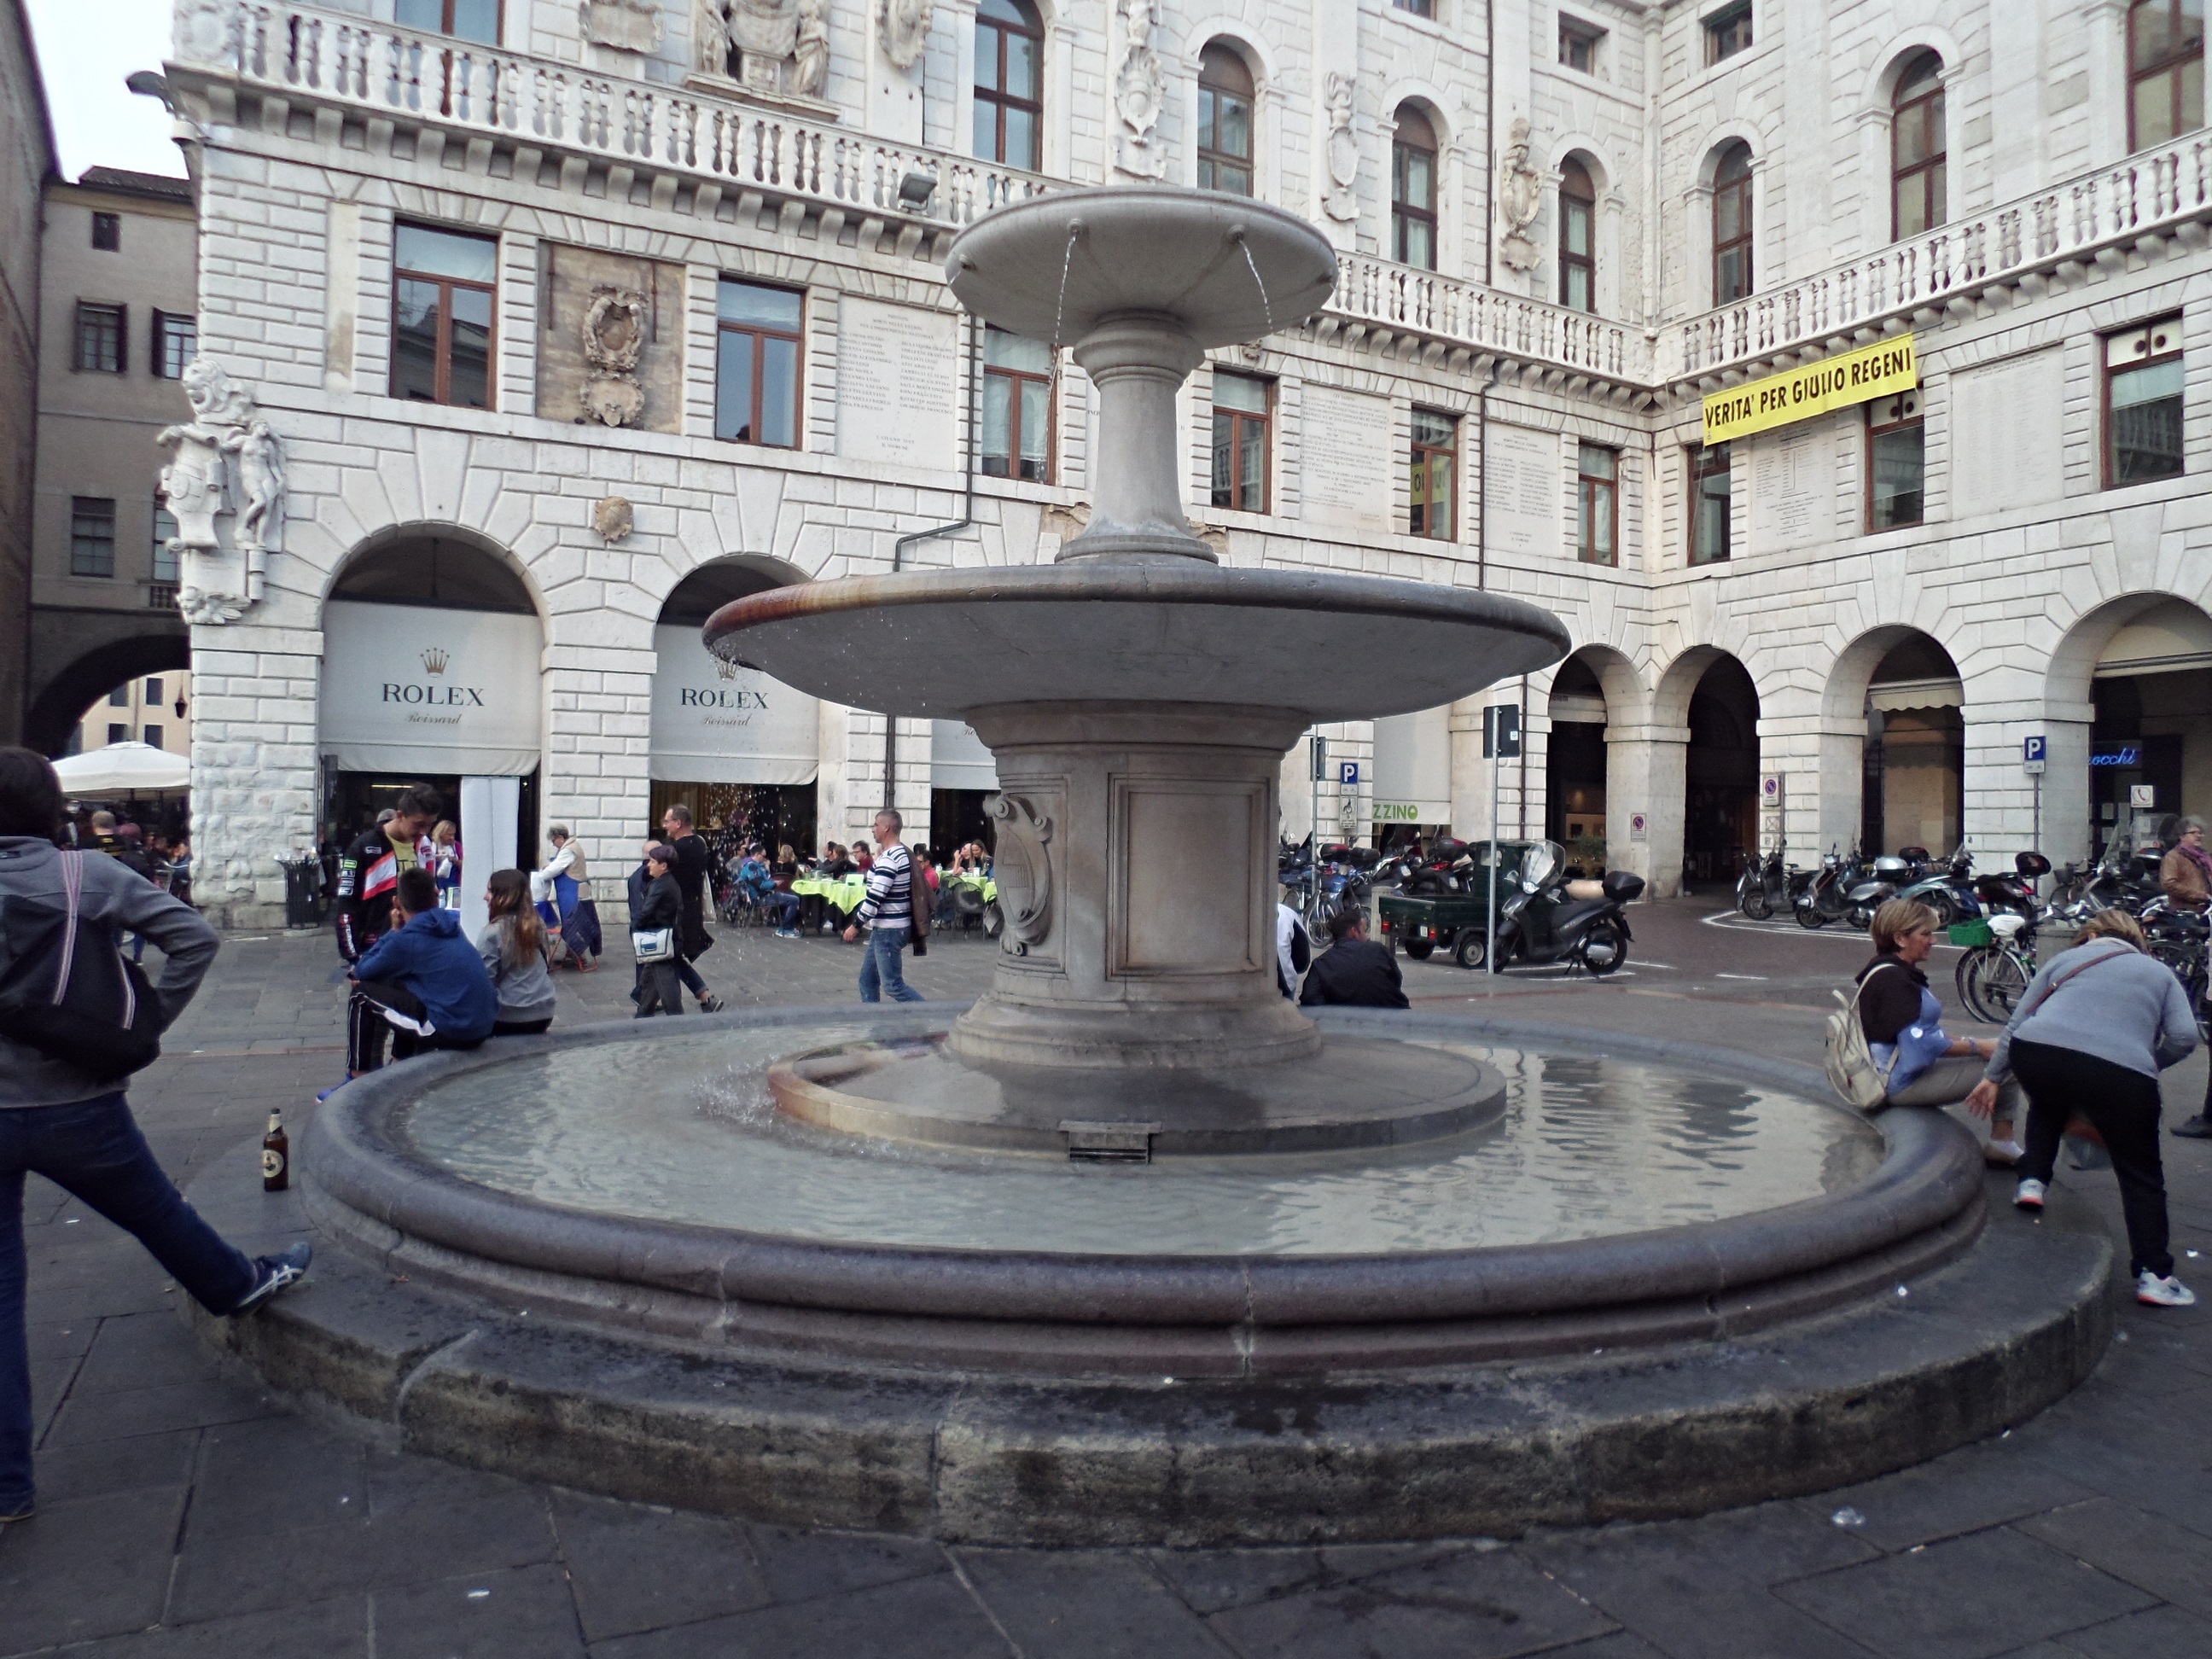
(569, 275)
(1344, 475)
(898, 384)
(1793, 486)
(2006, 432)
(1523, 490)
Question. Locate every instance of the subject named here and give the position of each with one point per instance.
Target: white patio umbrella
(122, 768)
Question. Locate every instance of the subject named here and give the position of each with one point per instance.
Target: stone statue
(1340, 201)
(905, 30)
(202, 483)
(205, 31)
(614, 340)
(1139, 90)
(625, 25)
(710, 38)
(1520, 197)
(810, 63)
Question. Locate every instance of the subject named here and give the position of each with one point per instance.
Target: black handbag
(68, 991)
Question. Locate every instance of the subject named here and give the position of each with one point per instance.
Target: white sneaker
(2029, 1196)
(2003, 1153)
(2154, 1292)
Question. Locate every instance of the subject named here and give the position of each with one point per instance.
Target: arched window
(1224, 121)
(1009, 101)
(1732, 224)
(1413, 190)
(1578, 237)
(1917, 148)
(2166, 70)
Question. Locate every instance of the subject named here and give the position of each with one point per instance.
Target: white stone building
(568, 320)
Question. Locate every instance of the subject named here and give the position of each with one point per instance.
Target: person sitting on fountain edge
(1354, 972)
(423, 985)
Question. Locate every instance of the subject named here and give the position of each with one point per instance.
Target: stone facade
(578, 155)
(26, 162)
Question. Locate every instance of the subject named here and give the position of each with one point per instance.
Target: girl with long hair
(513, 947)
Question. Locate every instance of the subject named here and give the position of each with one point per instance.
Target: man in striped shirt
(887, 913)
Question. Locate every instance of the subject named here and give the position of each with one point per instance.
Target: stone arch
(1232, 34)
(1893, 764)
(1879, 86)
(1585, 785)
(714, 582)
(383, 551)
(1704, 758)
(139, 646)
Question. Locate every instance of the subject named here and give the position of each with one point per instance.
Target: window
(1708, 505)
(1017, 407)
(1413, 190)
(1896, 462)
(1419, 8)
(1597, 505)
(118, 698)
(757, 365)
(2166, 70)
(92, 536)
(1433, 475)
(1224, 121)
(2142, 404)
(107, 231)
(1728, 31)
(153, 738)
(464, 19)
(100, 334)
(1732, 225)
(1577, 232)
(1241, 409)
(153, 693)
(1917, 148)
(1578, 44)
(165, 528)
(1009, 107)
(119, 733)
(441, 323)
(176, 342)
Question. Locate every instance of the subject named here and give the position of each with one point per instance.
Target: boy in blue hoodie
(422, 984)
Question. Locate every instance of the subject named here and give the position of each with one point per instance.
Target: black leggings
(378, 1011)
(2123, 1107)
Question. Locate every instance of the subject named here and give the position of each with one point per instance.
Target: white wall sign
(1344, 475)
(1523, 490)
(2006, 447)
(714, 722)
(958, 758)
(1793, 487)
(410, 688)
(1412, 768)
(898, 384)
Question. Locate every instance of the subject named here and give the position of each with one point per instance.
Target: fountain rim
(1930, 1178)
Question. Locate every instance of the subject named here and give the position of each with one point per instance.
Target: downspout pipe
(899, 547)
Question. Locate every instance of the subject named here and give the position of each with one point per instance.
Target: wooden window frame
(1569, 261)
(78, 505)
(162, 334)
(2171, 65)
(89, 314)
(761, 331)
(2104, 396)
(1938, 160)
(1719, 26)
(1016, 378)
(1404, 213)
(1426, 506)
(1741, 187)
(441, 378)
(1585, 482)
(1877, 426)
(1698, 472)
(1573, 31)
(1238, 419)
(1213, 156)
(1000, 100)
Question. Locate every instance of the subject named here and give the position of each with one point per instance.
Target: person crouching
(422, 985)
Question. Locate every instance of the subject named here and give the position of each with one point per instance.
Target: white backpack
(1852, 1070)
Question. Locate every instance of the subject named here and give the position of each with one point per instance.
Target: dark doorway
(1720, 774)
(771, 813)
(957, 816)
(1912, 781)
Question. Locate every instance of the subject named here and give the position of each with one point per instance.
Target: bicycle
(1993, 977)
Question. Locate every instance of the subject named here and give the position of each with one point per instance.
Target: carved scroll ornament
(1341, 200)
(1139, 90)
(1520, 197)
(614, 340)
(1021, 864)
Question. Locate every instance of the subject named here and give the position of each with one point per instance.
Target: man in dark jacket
(1354, 972)
(694, 865)
(370, 866)
(74, 1127)
(423, 985)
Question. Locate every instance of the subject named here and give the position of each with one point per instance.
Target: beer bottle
(276, 1156)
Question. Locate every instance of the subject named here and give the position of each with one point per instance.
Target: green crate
(1971, 934)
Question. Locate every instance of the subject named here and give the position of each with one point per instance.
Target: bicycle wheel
(1991, 982)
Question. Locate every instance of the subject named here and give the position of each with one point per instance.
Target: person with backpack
(2096, 1027)
(63, 1110)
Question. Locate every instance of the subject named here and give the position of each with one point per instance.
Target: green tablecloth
(844, 894)
(982, 885)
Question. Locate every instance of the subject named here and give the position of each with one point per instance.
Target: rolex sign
(410, 688)
(714, 722)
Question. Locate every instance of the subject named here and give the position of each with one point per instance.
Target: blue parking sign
(1347, 773)
(2031, 749)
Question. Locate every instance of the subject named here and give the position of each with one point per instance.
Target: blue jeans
(689, 975)
(93, 1149)
(880, 971)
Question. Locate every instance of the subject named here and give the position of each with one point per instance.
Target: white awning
(121, 768)
(2170, 638)
(714, 722)
(1412, 767)
(958, 758)
(1894, 697)
(410, 688)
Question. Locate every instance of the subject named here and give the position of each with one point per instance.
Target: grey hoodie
(526, 992)
(2124, 1006)
(125, 901)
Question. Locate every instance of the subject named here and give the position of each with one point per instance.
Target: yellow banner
(1849, 377)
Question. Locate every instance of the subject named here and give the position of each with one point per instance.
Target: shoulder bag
(653, 944)
(70, 992)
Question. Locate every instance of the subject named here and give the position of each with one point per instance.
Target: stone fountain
(1373, 1276)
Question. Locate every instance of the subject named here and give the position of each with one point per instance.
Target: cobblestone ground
(184, 1513)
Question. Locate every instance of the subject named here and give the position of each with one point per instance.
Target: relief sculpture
(225, 464)
(905, 30)
(1022, 866)
(1139, 90)
(779, 47)
(614, 340)
(1520, 197)
(1339, 201)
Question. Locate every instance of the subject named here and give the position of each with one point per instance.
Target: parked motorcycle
(1827, 896)
(1765, 886)
(1949, 890)
(1543, 922)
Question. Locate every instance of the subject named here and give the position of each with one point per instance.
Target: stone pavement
(184, 1512)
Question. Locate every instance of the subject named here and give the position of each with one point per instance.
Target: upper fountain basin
(940, 642)
(1192, 255)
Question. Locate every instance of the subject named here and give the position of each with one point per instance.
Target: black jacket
(693, 863)
(368, 875)
(663, 907)
(1356, 973)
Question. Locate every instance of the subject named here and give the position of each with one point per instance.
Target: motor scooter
(1948, 889)
(1765, 884)
(1545, 923)
(1827, 897)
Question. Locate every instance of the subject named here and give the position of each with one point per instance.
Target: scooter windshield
(1542, 862)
